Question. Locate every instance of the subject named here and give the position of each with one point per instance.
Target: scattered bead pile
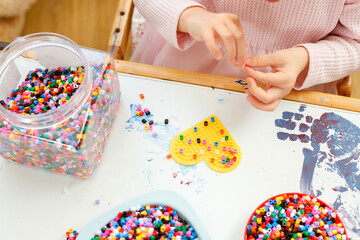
(148, 124)
(149, 222)
(292, 216)
(71, 234)
(43, 90)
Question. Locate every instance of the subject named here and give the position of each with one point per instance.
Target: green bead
(1, 124)
(226, 138)
(227, 159)
(67, 98)
(181, 137)
(44, 109)
(70, 80)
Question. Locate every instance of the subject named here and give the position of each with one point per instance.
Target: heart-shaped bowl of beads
(294, 216)
(154, 215)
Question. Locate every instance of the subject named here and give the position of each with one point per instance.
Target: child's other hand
(286, 66)
(212, 28)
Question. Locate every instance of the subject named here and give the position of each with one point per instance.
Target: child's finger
(240, 44)
(265, 96)
(262, 106)
(264, 61)
(211, 45)
(229, 41)
(270, 78)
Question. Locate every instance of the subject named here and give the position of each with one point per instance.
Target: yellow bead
(162, 228)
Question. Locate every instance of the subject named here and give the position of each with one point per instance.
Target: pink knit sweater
(328, 29)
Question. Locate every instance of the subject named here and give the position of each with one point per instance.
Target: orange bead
(142, 96)
(168, 156)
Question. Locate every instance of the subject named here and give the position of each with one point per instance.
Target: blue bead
(212, 119)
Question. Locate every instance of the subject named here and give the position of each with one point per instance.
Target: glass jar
(62, 136)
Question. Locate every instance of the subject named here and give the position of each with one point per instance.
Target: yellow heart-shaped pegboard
(207, 141)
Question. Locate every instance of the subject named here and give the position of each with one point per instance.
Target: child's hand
(286, 66)
(212, 28)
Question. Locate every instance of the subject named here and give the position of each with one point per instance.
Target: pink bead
(224, 148)
(138, 108)
(145, 110)
(204, 141)
(209, 148)
(150, 127)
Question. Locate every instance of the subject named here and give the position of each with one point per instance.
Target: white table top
(37, 204)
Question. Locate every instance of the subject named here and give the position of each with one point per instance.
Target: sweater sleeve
(163, 16)
(338, 54)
